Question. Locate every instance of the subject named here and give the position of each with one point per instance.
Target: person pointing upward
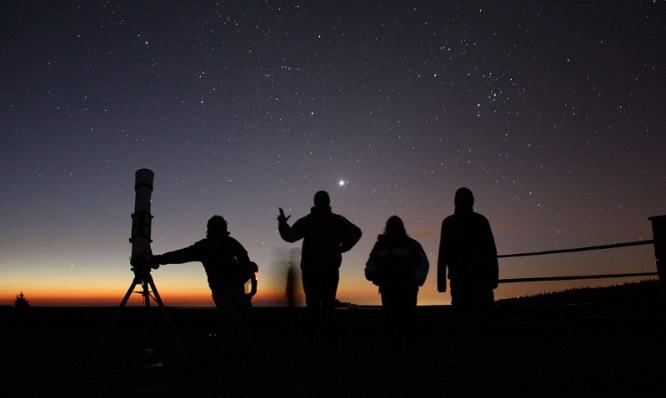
(326, 236)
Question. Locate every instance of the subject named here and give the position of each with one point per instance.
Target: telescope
(142, 221)
(141, 256)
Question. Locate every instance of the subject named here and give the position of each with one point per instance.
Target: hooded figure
(467, 250)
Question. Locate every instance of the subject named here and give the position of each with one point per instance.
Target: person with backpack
(399, 266)
(228, 268)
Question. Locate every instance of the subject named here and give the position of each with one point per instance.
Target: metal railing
(581, 249)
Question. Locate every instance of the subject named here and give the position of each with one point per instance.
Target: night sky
(552, 113)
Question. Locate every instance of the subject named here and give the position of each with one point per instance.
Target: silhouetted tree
(20, 301)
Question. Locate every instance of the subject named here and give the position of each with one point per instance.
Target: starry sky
(552, 113)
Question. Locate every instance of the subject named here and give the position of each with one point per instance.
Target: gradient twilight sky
(553, 113)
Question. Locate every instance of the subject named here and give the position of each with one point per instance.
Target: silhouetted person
(467, 250)
(228, 268)
(291, 285)
(398, 265)
(290, 288)
(325, 237)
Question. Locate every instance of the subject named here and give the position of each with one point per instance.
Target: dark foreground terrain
(589, 350)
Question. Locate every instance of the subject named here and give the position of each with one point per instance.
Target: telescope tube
(142, 219)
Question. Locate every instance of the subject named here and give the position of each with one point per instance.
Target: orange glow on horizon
(170, 298)
(268, 295)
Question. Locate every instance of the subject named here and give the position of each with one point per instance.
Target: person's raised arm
(287, 233)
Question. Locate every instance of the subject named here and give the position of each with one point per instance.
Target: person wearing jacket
(326, 236)
(399, 266)
(228, 268)
(467, 250)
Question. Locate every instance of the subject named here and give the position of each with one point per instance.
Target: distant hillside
(644, 292)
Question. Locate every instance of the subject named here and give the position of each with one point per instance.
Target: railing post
(659, 233)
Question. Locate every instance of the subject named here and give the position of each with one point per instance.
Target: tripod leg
(158, 299)
(145, 293)
(123, 303)
(114, 318)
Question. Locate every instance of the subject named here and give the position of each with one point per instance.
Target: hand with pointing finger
(282, 218)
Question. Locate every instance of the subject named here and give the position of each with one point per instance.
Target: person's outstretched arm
(181, 256)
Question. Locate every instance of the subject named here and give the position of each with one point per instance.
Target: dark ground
(540, 351)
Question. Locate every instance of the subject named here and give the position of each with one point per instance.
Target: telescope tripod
(143, 278)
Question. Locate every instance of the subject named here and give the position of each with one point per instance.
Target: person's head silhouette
(395, 226)
(464, 199)
(321, 199)
(217, 226)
